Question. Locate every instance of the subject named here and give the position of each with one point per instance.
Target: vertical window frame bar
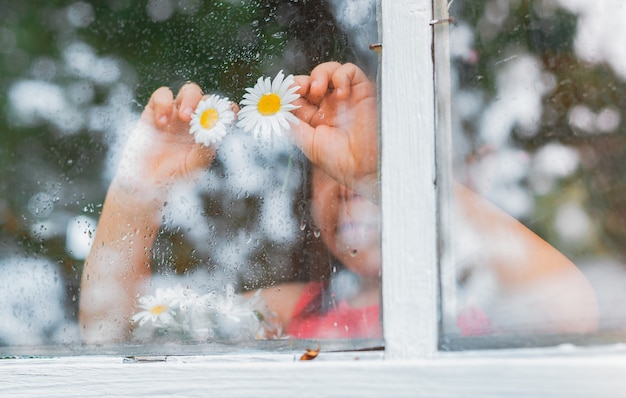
(408, 192)
(444, 157)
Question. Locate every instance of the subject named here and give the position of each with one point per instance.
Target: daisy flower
(267, 105)
(164, 307)
(181, 313)
(156, 310)
(211, 119)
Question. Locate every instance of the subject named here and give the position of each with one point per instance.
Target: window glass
(270, 241)
(538, 93)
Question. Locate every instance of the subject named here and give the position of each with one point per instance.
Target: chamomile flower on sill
(211, 120)
(155, 310)
(182, 314)
(266, 107)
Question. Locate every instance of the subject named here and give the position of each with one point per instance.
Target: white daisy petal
(292, 91)
(285, 86)
(249, 101)
(290, 97)
(284, 124)
(278, 81)
(292, 118)
(275, 121)
(290, 107)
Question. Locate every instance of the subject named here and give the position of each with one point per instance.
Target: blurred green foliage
(545, 31)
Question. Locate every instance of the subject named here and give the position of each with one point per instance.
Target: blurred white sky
(601, 31)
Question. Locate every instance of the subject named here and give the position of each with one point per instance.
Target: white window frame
(411, 364)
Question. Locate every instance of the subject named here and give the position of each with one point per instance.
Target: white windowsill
(342, 374)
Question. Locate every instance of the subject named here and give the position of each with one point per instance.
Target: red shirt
(341, 321)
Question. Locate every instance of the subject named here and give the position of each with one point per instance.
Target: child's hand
(160, 150)
(339, 125)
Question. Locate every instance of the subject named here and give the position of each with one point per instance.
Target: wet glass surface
(538, 94)
(75, 77)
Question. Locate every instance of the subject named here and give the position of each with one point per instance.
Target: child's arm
(539, 289)
(159, 152)
(339, 125)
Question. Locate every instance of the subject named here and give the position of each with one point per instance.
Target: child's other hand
(160, 150)
(339, 125)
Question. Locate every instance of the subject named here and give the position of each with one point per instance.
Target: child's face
(349, 224)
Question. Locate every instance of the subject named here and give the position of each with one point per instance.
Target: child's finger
(323, 147)
(321, 81)
(187, 100)
(342, 80)
(161, 103)
(234, 107)
(350, 81)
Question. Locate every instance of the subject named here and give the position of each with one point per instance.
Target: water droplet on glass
(353, 253)
(317, 232)
(302, 226)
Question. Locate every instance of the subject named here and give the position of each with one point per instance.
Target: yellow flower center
(208, 118)
(269, 104)
(158, 309)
